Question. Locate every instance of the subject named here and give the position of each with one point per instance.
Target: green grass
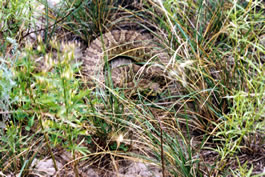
(216, 106)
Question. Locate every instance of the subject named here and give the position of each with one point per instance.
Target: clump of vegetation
(16, 18)
(209, 121)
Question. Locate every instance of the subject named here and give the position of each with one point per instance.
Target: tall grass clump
(83, 18)
(225, 82)
(242, 129)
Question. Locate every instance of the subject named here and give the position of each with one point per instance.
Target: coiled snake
(119, 48)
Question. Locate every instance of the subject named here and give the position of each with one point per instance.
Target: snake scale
(139, 47)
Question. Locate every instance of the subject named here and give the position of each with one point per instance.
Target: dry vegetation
(208, 120)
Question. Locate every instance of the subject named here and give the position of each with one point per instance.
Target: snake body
(140, 47)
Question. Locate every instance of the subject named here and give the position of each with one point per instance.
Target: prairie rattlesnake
(138, 47)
